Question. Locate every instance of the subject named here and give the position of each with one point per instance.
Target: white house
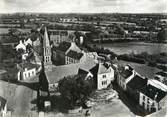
(21, 46)
(26, 71)
(3, 107)
(103, 74)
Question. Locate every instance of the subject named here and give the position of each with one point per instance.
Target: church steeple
(46, 52)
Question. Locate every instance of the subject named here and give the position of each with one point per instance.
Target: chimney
(126, 67)
(20, 41)
(25, 69)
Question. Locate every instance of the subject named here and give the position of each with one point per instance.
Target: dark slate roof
(99, 69)
(64, 46)
(28, 66)
(126, 73)
(82, 71)
(137, 82)
(153, 92)
(74, 54)
(2, 102)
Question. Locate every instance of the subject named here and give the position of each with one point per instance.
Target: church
(51, 74)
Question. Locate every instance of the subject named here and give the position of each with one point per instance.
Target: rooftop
(28, 66)
(82, 71)
(100, 69)
(74, 54)
(126, 73)
(153, 92)
(64, 46)
(137, 82)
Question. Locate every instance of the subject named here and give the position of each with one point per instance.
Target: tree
(162, 35)
(119, 30)
(75, 90)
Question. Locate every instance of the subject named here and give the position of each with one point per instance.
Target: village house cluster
(54, 61)
(150, 94)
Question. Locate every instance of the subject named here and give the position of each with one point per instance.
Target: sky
(84, 6)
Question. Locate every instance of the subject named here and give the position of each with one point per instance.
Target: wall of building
(147, 103)
(69, 60)
(103, 80)
(121, 82)
(29, 73)
(58, 57)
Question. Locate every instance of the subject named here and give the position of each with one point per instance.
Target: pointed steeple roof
(46, 39)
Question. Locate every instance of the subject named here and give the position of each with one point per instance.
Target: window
(29, 74)
(104, 76)
(143, 98)
(46, 59)
(104, 82)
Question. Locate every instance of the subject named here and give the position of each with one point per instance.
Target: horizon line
(83, 12)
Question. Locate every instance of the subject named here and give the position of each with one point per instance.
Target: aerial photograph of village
(83, 58)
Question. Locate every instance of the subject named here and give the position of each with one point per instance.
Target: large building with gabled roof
(103, 75)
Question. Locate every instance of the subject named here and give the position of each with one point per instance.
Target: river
(136, 47)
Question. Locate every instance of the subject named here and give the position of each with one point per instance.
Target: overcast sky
(84, 6)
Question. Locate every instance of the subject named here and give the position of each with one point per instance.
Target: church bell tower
(47, 63)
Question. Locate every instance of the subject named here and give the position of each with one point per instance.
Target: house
(76, 57)
(134, 85)
(26, 71)
(73, 57)
(21, 46)
(60, 52)
(152, 98)
(3, 107)
(103, 74)
(126, 74)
